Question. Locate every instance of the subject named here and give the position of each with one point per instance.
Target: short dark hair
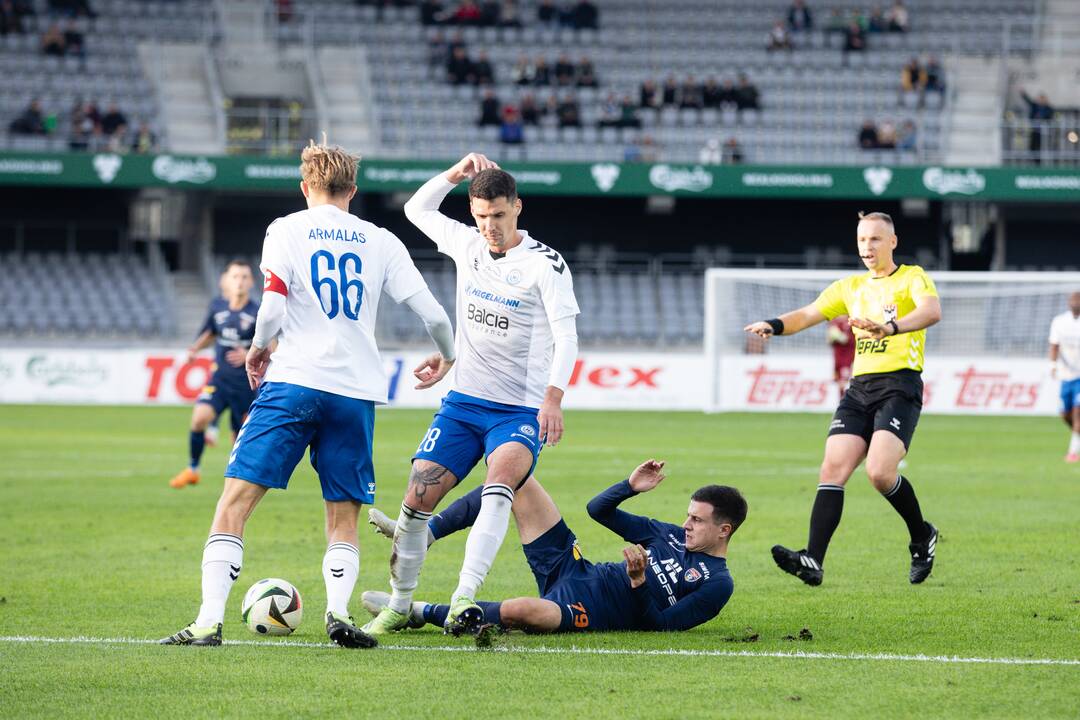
(728, 504)
(493, 183)
(238, 262)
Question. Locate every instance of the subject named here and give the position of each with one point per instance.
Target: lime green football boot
(386, 622)
(465, 617)
(192, 635)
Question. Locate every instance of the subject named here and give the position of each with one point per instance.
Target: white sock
(485, 537)
(340, 566)
(1074, 444)
(410, 549)
(222, 559)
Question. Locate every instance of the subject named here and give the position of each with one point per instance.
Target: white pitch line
(575, 650)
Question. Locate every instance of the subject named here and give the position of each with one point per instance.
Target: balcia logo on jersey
(491, 321)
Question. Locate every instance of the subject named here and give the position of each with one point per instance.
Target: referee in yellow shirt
(890, 308)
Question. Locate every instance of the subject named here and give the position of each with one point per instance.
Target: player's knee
(882, 474)
(834, 473)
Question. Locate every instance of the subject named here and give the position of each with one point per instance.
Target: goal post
(987, 355)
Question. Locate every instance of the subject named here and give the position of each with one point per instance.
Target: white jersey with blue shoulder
(334, 267)
(506, 306)
(1065, 333)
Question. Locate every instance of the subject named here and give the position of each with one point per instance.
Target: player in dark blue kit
(230, 325)
(672, 577)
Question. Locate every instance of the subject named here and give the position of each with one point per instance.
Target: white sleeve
(556, 288)
(435, 320)
(269, 320)
(423, 212)
(274, 257)
(402, 279)
(564, 357)
(1055, 339)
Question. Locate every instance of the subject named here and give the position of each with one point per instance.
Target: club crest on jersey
(513, 277)
(889, 311)
(527, 430)
(246, 321)
(692, 575)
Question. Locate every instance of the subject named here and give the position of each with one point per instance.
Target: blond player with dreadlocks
(325, 270)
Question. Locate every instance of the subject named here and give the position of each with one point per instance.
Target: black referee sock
(824, 518)
(902, 498)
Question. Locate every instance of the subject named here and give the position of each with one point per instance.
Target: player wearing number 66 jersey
(325, 270)
(517, 343)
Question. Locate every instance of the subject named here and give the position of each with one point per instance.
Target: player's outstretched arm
(927, 312)
(422, 209)
(604, 508)
(788, 323)
(435, 367)
(205, 340)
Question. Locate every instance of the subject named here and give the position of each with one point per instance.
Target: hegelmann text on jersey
(491, 297)
(338, 234)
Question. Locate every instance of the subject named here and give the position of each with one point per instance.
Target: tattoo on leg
(420, 481)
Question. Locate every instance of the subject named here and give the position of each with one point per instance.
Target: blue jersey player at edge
(671, 578)
(229, 327)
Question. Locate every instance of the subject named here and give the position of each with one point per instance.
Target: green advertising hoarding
(586, 179)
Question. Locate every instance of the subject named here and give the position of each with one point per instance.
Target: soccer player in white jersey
(517, 344)
(325, 270)
(1065, 366)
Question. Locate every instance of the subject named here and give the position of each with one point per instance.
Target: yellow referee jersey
(881, 300)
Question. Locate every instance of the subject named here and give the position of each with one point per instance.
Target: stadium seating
(88, 295)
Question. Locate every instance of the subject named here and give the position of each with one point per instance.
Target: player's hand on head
(761, 329)
(636, 560)
(256, 362)
(433, 369)
(470, 166)
(236, 357)
(647, 475)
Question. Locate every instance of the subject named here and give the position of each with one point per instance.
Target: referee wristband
(777, 326)
(895, 327)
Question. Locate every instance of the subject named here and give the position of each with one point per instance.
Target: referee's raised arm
(788, 323)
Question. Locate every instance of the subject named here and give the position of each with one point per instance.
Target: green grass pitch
(97, 545)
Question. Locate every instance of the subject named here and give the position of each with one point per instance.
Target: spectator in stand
(732, 154)
(898, 17)
(746, 95)
(710, 153)
(837, 24)
(438, 53)
(711, 93)
(530, 111)
(585, 16)
(1039, 112)
(855, 39)
(85, 126)
(52, 41)
(906, 138)
(628, 113)
(935, 75)
(799, 18)
(74, 42)
(459, 69)
(489, 109)
(542, 72)
(729, 95)
(586, 73)
(550, 112)
(524, 73)
(508, 15)
(691, 96)
(868, 136)
(877, 22)
(483, 73)
(569, 113)
(144, 140)
(564, 71)
(670, 96)
(547, 13)
(489, 13)
(30, 122)
(610, 111)
(913, 79)
(467, 13)
(649, 95)
(113, 120)
(119, 142)
(886, 135)
(512, 130)
(431, 12)
(457, 41)
(11, 18)
(778, 38)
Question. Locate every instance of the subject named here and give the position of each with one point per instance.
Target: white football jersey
(335, 266)
(1065, 333)
(505, 306)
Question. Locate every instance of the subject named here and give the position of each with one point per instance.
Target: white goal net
(986, 355)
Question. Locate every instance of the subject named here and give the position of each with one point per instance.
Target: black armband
(777, 326)
(895, 327)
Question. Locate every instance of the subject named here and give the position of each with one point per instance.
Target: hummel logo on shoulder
(557, 262)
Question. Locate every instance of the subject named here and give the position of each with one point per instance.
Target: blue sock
(436, 614)
(459, 515)
(198, 444)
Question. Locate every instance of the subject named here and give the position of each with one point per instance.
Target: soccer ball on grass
(272, 607)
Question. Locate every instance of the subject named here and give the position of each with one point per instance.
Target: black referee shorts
(880, 401)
